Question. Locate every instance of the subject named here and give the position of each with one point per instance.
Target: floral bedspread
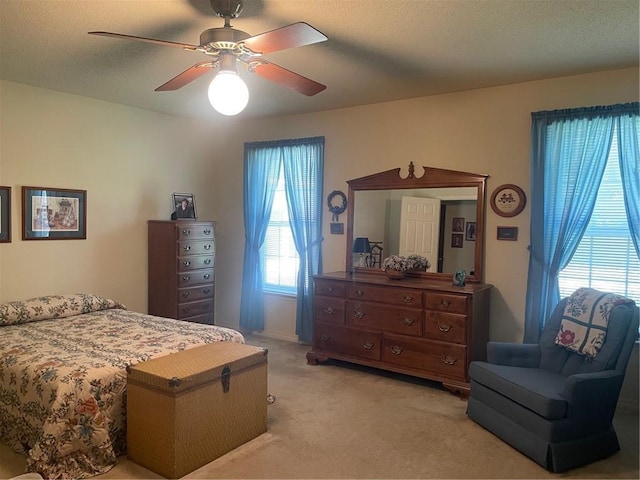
(63, 377)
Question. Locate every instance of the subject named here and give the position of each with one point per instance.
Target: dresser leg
(461, 390)
(315, 359)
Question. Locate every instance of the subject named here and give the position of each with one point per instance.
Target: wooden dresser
(181, 270)
(419, 327)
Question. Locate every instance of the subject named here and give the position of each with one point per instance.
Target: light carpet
(343, 421)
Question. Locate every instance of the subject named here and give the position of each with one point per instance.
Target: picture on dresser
(53, 213)
(5, 214)
(184, 205)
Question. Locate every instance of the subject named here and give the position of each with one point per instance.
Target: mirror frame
(431, 178)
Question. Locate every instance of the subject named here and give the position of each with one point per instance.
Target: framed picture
(184, 206)
(470, 231)
(53, 213)
(337, 228)
(507, 233)
(5, 214)
(456, 240)
(457, 225)
(508, 200)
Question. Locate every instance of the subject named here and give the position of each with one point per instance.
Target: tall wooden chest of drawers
(182, 270)
(424, 328)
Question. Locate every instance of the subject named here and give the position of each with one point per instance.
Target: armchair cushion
(536, 389)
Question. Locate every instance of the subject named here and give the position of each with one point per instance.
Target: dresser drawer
(330, 288)
(192, 309)
(195, 247)
(185, 264)
(329, 309)
(447, 327)
(373, 316)
(347, 341)
(191, 294)
(195, 277)
(205, 318)
(443, 302)
(194, 230)
(395, 296)
(448, 360)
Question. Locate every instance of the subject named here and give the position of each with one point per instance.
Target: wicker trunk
(186, 409)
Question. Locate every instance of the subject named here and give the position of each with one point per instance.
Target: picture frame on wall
(5, 214)
(470, 231)
(457, 224)
(184, 206)
(507, 233)
(456, 240)
(54, 214)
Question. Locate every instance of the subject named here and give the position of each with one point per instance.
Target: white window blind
(606, 258)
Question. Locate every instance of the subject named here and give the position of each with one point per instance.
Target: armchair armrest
(592, 397)
(514, 354)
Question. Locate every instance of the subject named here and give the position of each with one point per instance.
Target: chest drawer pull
(408, 321)
(325, 337)
(449, 360)
(207, 261)
(206, 291)
(185, 294)
(207, 246)
(329, 289)
(207, 276)
(329, 310)
(367, 345)
(444, 328)
(359, 293)
(358, 315)
(396, 349)
(408, 298)
(207, 231)
(186, 232)
(445, 303)
(186, 278)
(186, 248)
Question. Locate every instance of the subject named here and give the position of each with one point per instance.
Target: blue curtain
(629, 153)
(261, 173)
(569, 154)
(303, 175)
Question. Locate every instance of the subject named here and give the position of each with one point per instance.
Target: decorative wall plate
(508, 200)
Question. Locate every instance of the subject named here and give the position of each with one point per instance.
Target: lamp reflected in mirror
(362, 249)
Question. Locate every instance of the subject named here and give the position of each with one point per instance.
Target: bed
(63, 361)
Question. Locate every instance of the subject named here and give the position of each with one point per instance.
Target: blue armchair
(554, 405)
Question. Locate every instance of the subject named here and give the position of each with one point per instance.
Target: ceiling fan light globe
(228, 94)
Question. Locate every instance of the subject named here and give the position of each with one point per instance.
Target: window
(278, 256)
(606, 258)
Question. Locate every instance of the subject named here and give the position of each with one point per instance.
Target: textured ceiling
(378, 50)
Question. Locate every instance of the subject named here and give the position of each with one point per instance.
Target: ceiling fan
(228, 46)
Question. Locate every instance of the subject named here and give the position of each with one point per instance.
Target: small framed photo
(470, 230)
(184, 206)
(457, 224)
(456, 240)
(5, 214)
(337, 228)
(54, 214)
(507, 233)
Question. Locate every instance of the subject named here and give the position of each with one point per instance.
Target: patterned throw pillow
(53, 306)
(583, 328)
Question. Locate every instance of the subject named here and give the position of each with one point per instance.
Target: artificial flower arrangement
(405, 264)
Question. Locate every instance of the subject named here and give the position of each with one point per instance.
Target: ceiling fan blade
(185, 77)
(185, 46)
(294, 35)
(285, 77)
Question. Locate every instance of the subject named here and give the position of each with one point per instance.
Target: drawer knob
(367, 345)
(408, 298)
(207, 261)
(186, 248)
(329, 289)
(449, 360)
(186, 232)
(325, 337)
(408, 321)
(358, 315)
(444, 303)
(329, 310)
(396, 349)
(206, 291)
(444, 328)
(185, 294)
(207, 246)
(207, 276)
(186, 278)
(186, 263)
(359, 293)
(207, 231)
(186, 309)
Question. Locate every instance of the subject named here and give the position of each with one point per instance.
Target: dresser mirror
(436, 213)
